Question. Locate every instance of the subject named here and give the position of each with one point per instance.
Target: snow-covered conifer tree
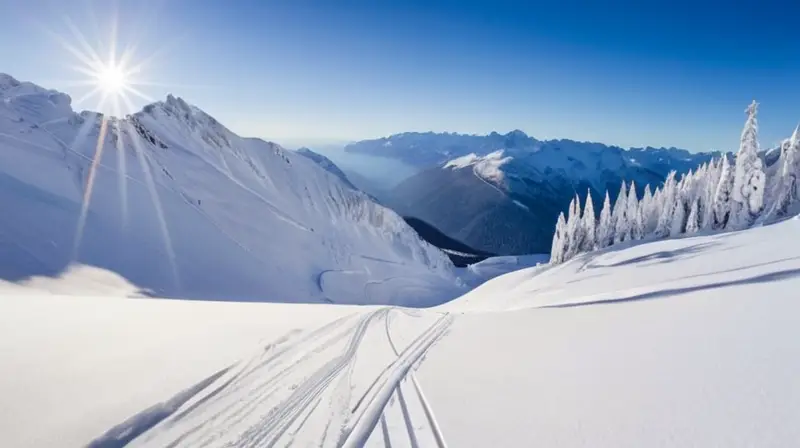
(559, 240)
(679, 209)
(574, 229)
(709, 193)
(620, 216)
(667, 200)
(652, 211)
(787, 188)
(589, 224)
(604, 226)
(722, 197)
(749, 178)
(693, 221)
(634, 230)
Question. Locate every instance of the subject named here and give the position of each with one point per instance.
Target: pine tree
(633, 232)
(723, 202)
(559, 240)
(693, 221)
(574, 229)
(787, 188)
(620, 216)
(604, 230)
(772, 190)
(709, 193)
(652, 211)
(667, 202)
(679, 210)
(644, 208)
(589, 224)
(749, 178)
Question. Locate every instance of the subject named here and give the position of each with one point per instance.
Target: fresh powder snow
(683, 342)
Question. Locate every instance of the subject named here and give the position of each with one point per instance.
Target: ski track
(373, 413)
(268, 399)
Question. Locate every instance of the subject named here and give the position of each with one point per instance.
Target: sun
(112, 79)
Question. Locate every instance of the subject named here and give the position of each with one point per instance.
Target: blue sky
(630, 73)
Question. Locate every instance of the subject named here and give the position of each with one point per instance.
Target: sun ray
(113, 80)
(88, 189)
(90, 72)
(142, 65)
(112, 42)
(122, 174)
(151, 186)
(88, 95)
(87, 48)
(140, 82)
(75, 52)
(162, 222)
(138, 93)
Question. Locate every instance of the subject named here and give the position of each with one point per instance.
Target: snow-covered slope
(181, 206)
(686, 342)
(326, 164)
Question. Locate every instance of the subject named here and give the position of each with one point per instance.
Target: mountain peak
(8, 80)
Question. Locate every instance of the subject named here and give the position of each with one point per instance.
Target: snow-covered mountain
(326, 164)
(427, 149)
(507, 201)
(181, 206)
(674, 343)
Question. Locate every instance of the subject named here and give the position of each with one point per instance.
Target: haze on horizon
(667, 74)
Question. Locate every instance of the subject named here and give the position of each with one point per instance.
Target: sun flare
(112, 79)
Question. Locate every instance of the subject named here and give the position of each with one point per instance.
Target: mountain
(506, 201)
(689, 342)
(182, 207)
(459, 253)
(427, 149)
(326, 164)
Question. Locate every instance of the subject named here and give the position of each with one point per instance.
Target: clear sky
(630, 73)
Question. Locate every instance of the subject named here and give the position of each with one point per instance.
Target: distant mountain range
(502, 193)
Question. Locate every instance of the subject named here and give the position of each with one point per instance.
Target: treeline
(721, 194)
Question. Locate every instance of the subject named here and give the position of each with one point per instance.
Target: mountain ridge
(175, 202)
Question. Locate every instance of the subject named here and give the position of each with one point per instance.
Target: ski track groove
(271, 385)
(412, 435)
(357, 434)
(273, 425)
(249, 385)
(426, 407)
(233, 384)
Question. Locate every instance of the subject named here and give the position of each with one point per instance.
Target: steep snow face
(326, 164)
(181, 206)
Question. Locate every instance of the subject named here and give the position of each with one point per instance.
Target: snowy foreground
(688, 342)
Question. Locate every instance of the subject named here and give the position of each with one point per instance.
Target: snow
(686, 342)
(682, 342)
(183, 207)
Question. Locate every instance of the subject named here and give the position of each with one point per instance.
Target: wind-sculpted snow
(177, 204)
